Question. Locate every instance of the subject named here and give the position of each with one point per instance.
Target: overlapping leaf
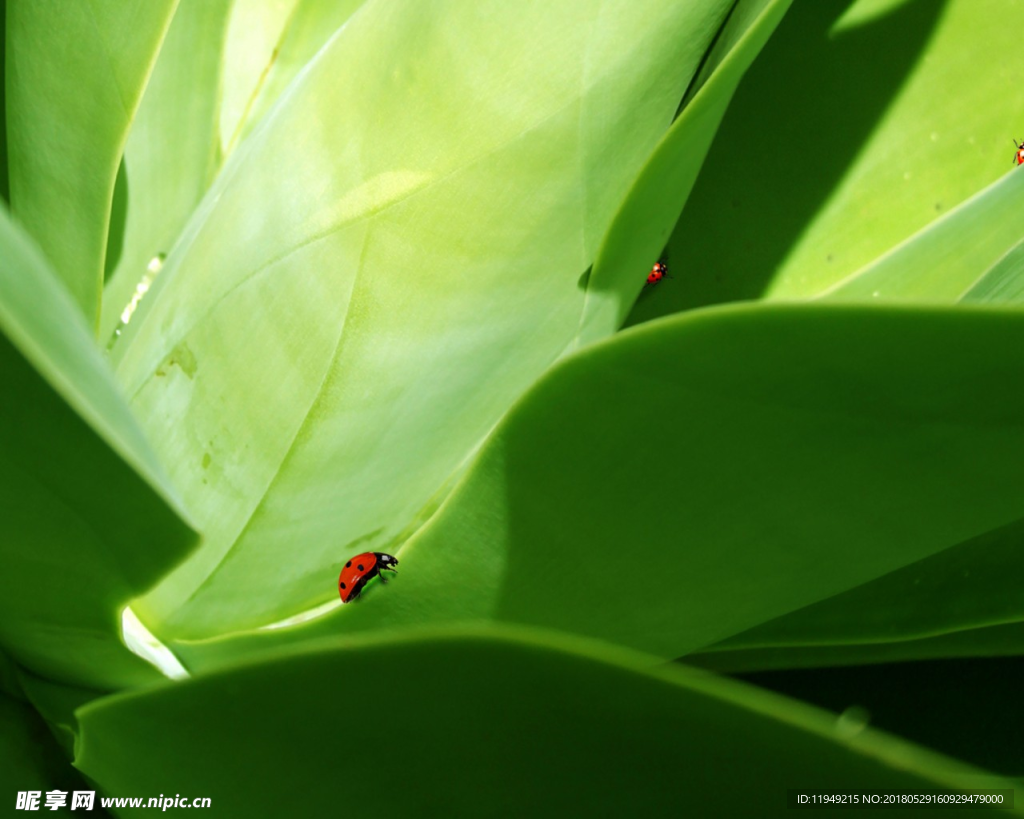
(702, 475)
(859, 125)
(646, 218)
(87, 519)
(30, 760)
(74, 76)
(172, 154)
(958, 594)
(380, 269)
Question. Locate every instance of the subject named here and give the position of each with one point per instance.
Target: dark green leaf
(471, 723)
(87, 519)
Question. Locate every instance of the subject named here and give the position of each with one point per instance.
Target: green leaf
(858, 125)
(380, 269)
(1003, 282)
(647, 215)
(968, 587)
(468, 723)
(308, 28)
(173, 150)
(74, 76)
(30, 759)
(1004, 640)
(250, 50)
(56, 703)
(764, 458)
(86, 518)
(5, 187)
(949, 256)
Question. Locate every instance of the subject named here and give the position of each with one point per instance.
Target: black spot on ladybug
(348, 565)
(343, 585)
(360, 567)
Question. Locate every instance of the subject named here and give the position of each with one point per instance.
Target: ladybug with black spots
(1018, 158)
(360, 570)
(658, 272)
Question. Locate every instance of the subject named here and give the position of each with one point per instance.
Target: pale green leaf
(379, 271)
(689, 480)
(172, 153)
(74, 76)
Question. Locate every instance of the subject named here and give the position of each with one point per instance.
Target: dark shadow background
(970, 709)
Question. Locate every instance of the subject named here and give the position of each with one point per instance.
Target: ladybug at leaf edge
(658, 272)
(360, 570)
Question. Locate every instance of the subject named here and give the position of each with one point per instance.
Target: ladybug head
(386, 561)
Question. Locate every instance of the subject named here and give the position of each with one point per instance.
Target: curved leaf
(74, 76)
(765, 458)
(87, 519)
(363, 292)
(469, 723)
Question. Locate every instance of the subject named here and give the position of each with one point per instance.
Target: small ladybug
(1018, 158)
(360, 570)
(658, 272)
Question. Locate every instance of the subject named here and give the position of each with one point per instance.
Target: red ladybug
(658, 272)
(360, 570)
(1018, 158)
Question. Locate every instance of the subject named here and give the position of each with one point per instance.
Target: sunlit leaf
(172, 154)
(764, 458)
(858, 125)
(380, 269)
(74, 76)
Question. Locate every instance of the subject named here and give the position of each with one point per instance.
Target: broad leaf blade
(469, 722)
(765, 458)
(87, 518)
(363, 292)
(74, 76)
